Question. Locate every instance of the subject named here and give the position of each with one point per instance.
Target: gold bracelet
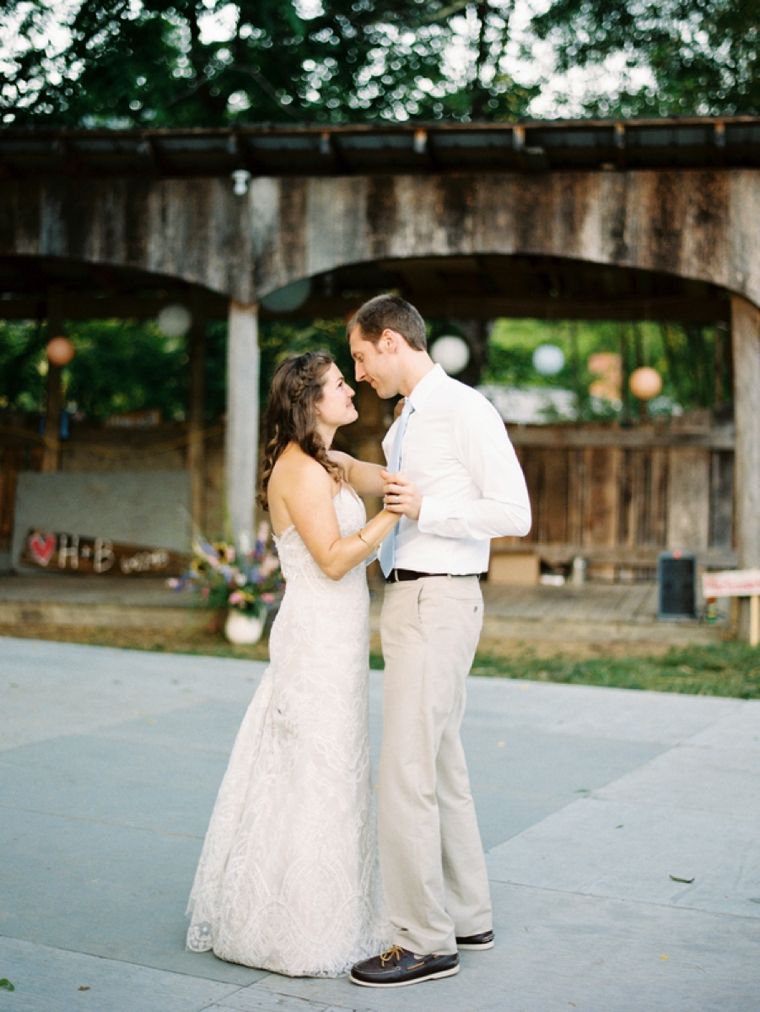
(359, 536)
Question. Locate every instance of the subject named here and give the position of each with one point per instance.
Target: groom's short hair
(390, 312)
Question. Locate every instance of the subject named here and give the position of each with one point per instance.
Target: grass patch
(723, 669)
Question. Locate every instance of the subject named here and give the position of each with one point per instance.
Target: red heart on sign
(42, 547)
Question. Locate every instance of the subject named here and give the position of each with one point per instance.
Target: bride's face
(336, 406)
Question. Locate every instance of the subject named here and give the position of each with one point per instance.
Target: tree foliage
(118, 366)
(180, 63)
(693, 375)
(22, 348)
(703, 55)
(130, 365)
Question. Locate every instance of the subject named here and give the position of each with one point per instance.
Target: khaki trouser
(434, 872)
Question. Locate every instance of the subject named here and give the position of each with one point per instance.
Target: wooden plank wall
(619, 504)
(616, 498)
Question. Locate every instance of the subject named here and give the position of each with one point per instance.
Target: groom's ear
(390, 339)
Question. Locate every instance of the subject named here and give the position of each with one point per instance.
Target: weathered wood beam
(569, 436)
(745, 330)
(490, 307)
(123, 307)
(120, 307)
(332, 152)
(242, 421)
(69, 161)
(149, 156)
(438, 305)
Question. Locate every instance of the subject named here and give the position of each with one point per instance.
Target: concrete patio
(621, 830)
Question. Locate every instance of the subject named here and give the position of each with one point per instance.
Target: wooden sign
(732, 583)
(71, 553)
(738, 583)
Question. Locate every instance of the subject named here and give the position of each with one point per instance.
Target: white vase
(243, 629)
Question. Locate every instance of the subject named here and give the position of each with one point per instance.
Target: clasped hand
(400, 495)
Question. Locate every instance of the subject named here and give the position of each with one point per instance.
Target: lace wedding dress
(288, 878)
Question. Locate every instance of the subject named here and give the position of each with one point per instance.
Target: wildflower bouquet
(250, 583)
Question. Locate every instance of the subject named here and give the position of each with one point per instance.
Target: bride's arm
(307, 491)
(363, 475)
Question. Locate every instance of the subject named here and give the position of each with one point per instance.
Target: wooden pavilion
(577, 220)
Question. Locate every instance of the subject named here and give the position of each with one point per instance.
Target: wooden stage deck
(595, 617)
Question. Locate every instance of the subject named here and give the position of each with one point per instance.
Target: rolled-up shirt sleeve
(502, 506)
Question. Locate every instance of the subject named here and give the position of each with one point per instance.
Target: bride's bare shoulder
(294, 467)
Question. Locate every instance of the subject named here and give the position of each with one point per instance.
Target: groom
(453, 474)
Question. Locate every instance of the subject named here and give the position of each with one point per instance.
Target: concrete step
(66, 613)
(591, 614)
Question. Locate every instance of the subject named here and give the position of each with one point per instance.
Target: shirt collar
(426, 387)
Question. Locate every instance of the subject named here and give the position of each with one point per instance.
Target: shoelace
(395, 952)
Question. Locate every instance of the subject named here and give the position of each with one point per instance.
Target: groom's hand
(400, 495)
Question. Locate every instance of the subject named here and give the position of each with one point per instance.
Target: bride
(288, 879)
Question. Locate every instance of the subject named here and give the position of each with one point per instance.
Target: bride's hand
(400, 495)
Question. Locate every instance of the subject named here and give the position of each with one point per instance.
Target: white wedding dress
(288, 878)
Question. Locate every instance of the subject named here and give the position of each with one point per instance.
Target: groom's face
(375, 364)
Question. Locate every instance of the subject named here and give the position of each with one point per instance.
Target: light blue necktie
(387, 552)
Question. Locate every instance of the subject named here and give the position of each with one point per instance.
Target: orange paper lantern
(60, 351)
(645, 383)
(608, 366)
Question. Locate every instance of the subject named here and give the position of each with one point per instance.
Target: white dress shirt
(458, 454)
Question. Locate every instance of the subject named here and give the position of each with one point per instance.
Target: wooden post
(51, 457)
(241, 449)
(196, 347)
(745, 331)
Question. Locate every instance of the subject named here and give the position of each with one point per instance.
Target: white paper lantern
(174, 321)
(451, 352)
(548, 359)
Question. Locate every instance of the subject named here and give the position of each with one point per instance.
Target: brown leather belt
(402, 575)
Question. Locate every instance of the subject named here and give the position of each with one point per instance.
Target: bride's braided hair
(290, 418)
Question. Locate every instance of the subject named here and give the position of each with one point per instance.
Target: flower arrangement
(250, 583)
